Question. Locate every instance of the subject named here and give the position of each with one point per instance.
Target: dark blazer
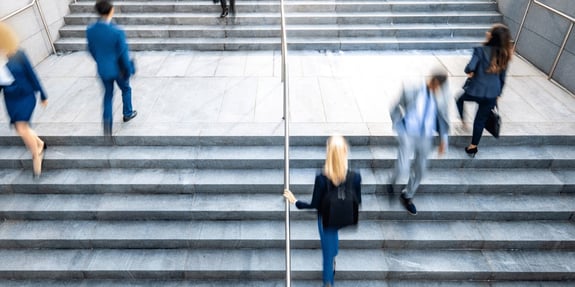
(483, 84)
(20, 96)
(320, 188)
(107, 45)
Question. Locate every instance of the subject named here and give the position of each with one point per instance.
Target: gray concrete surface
(240, 93)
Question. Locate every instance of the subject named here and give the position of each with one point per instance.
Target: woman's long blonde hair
(8, 39)
(335, 168)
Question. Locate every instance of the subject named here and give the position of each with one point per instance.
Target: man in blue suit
(107, 45)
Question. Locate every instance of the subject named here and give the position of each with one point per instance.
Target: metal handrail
(42, 17)
(286, 118)
(18, 11)
(567, 35)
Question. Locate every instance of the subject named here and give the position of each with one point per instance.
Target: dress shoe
(408, 204)
(224, 12)
(133, 115)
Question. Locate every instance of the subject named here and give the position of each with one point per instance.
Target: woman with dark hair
(486, 70)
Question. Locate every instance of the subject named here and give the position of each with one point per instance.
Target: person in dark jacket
(20, 85)
(107, 45)
(335, 172)
(486, 72)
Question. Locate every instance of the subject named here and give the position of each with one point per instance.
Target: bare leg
(34, 144)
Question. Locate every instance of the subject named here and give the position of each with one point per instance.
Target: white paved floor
(240, 93)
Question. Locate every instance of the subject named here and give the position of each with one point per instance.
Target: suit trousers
(232, 5)
(485, 105)
(124, 85)
(419, 147)
(329, 249)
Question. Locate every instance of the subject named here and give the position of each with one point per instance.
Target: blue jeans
(124, 85)
(329, 248)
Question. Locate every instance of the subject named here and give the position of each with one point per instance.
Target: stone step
(197, 31)
(369, 234)
(237, 44)
(376, 18)
(278, 282)
(270, 181)
(272, 157)
(269, 264)
(245, 206)
(154, 135)
(290, 6)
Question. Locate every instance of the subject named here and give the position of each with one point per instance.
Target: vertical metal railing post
(560, 51)
(45, 23)
(567, 35)
(522, 24)
(285, 81)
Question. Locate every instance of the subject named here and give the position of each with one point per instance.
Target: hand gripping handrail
(43, 18)
(562, 48)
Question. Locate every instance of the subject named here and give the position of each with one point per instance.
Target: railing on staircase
(285, 78)
(562, 48)
(42, 17)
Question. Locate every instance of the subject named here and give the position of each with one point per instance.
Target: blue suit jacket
(483, 84)
(107, 45)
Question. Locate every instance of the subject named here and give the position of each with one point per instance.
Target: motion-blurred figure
(486, 70)
(20, 85)
(421, 111)
(107, 45)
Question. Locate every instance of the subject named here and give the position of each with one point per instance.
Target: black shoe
(408, 204)
(130, 117)
(334, 267)
(390, 188)
(224, 13)
(471, 151)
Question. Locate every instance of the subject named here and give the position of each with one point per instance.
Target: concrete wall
(28, 24)
(543, 35)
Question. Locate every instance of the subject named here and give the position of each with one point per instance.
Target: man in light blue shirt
(421, 111)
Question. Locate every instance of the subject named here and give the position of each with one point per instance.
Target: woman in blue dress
(20, 85)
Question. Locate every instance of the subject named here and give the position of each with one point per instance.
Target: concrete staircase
(311, 24)
(208, 211)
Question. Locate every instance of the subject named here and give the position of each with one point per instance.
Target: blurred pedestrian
(335, 178)
(225, 9)
(20, 85)
(486, 72)
(107, 45)
(421, 111)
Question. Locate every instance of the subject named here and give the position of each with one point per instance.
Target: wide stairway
(208, 211)
(311, 24)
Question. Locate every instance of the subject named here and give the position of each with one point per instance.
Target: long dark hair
(500, 43)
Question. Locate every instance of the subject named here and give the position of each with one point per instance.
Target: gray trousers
(419, 147)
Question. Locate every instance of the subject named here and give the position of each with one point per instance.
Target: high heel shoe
(471, 151)
(37, 166)
(37, 162)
